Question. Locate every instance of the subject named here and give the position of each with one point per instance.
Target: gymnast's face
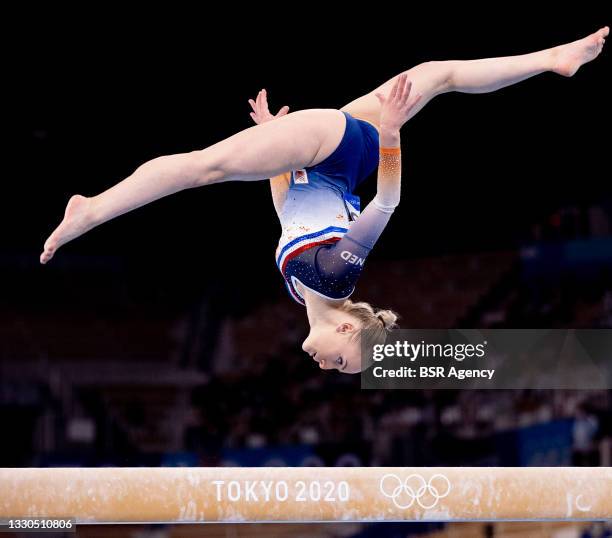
(335, 347)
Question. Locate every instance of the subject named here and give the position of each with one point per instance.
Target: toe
(48, 251)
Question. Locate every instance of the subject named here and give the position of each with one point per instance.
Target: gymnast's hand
(396, 107)
(261, 113)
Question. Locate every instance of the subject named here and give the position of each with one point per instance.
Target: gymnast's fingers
(258, 102)
(401, 88)
(264, 97)
(406, 92)
(393, 91)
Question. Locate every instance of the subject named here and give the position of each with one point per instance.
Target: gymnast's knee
(205, 168)
(441, 73)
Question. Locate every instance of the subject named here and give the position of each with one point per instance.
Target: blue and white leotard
(325, 240)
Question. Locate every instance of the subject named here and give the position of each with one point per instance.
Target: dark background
(90, 103)
(176, 313)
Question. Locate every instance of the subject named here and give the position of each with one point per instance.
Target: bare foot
(76, 222)
(569, 57)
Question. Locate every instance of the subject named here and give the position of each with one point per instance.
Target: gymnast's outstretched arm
(365, 231)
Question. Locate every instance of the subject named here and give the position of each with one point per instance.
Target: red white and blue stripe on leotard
(293, 248)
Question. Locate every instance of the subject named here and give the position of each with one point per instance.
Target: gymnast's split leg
(430, 79)
(304, 138)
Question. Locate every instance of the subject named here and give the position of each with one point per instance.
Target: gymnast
(315, 158)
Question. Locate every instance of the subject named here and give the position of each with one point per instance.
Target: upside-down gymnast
(315, 158)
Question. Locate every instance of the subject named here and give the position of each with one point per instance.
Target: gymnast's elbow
(386, 204)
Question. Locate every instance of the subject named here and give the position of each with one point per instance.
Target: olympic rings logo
(415, 488)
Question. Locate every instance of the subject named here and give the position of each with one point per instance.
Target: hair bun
(388, 318)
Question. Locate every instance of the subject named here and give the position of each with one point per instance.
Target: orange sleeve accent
(390, 164)
(391, 151)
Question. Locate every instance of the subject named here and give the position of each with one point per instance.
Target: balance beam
(300, 494)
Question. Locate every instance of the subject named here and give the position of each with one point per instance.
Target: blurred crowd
(259, 390)
(108, 379)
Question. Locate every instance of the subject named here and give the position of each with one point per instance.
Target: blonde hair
(376, 325)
